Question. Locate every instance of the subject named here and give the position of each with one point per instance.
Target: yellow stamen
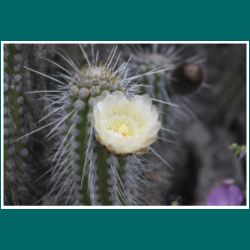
(121, 128)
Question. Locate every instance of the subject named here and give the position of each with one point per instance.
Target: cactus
(16, 154)
(84, 171)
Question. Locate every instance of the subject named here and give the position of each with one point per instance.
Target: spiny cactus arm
(15, 153)
(84, 171)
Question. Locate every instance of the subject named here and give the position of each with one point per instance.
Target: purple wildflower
(225, 194)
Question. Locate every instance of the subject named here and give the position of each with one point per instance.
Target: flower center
(122, 124)
(121, 127)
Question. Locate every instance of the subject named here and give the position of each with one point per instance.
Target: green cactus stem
(84, 171)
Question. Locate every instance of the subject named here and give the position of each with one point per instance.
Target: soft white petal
(125, 126)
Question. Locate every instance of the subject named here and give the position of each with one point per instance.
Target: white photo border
(123, 207)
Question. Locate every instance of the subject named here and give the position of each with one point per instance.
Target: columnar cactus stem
(85, 172)
(15, 153)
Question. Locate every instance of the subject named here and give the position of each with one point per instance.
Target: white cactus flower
(125, 126)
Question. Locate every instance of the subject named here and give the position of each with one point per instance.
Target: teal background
(124, 229)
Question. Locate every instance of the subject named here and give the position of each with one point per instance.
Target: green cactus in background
(179, 77)
(16, 154)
